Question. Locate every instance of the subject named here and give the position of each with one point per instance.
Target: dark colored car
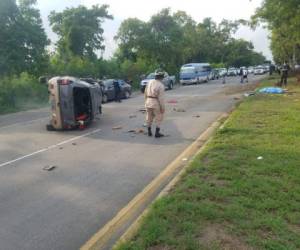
(109, 90)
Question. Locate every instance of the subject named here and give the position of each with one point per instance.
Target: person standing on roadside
(284, 74)
(117, 89)
(154, 103)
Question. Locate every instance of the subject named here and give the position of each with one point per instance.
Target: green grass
(228, 199)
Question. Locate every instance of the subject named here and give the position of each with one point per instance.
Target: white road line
(24, 123)
(49, 148)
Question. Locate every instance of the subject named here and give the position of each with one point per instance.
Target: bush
(20, 92)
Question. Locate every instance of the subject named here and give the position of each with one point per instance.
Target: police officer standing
(117, 89)
(284, 74)
(154, 103)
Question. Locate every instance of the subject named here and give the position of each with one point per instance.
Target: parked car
(74, 103)
(250, 70)
(168, 81)
(222, 72)
(214, 74)
(232, 72)
(109, 90)
(259, 70)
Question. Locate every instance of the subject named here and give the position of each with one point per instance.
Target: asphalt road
(98, 170)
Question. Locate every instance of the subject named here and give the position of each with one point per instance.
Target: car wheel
(127, 94)
(171, 85)
(49, 127)
(104, 98)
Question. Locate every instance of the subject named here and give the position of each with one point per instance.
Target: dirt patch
(215, 235)
(294, 228)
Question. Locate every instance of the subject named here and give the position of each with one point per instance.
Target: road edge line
(102, 237)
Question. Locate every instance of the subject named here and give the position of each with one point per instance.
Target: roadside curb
(106, 233)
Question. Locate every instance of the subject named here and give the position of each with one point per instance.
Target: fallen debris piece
(249, 94)
(237, 98)
(196, 116)
(74, 143)
(117, 127)
(61, 148)
(172, 101)
(131, 131)
(260, 158)
(132, 116)
(136, 131)
(49, 168)
(179, 110)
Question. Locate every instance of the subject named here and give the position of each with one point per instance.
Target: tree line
(167, 39)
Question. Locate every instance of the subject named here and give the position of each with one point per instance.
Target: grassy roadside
(228, 198)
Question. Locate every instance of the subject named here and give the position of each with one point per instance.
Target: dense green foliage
(174, 39)
(22, 38)
(21, 92)
(283, 19)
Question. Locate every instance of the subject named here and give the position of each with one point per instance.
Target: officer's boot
(157, 133)
(149, 131)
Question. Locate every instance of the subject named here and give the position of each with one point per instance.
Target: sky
(198, 9)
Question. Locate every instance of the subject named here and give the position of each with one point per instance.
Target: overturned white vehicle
(74, 103)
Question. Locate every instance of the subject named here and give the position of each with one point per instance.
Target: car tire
(49, 127)
(104, 98)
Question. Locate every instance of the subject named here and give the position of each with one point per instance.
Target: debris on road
(49, 168)
(61, 148)
(237, 98)
(117, 127)
(172, 101)
(136, 131)
(74, 143)
(179, 110)
(249, 94)
(196, 116)
(132, 116)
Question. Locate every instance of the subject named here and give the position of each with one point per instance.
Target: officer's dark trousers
(283, 80)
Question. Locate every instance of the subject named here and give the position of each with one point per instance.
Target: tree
(283, 20)
(80, 31)
(22, 38)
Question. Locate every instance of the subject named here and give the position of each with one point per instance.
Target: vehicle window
(108, 83)
(188, 70)
(205, 69)
(151, 76)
